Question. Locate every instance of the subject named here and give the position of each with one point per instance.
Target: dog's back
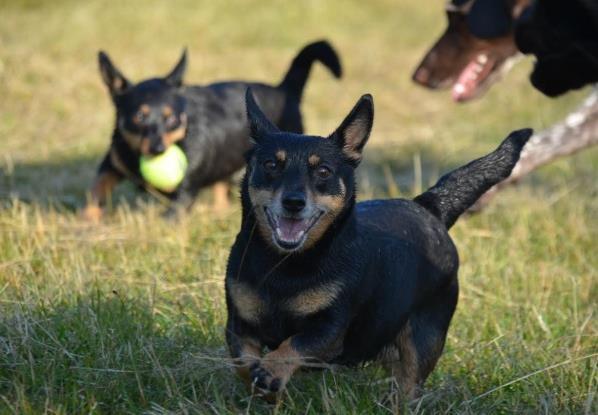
(218, 137)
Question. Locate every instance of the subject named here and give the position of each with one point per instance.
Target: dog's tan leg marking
(246, 301)
(313, 300)
(100, 190)
(221, 201)
(406, 369)
(281, 364)
(250, 353)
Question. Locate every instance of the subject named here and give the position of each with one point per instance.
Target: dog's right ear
(175, 77)
(355, 129)
(113, 78)
(259, 124)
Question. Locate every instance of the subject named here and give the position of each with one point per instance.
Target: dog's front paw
(92, 213)
(172, 214)
(264, 380)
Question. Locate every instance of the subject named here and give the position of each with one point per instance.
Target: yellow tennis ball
(164, 171)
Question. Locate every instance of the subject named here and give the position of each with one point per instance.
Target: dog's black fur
(563, 36)
(315, 276)
(207, 122)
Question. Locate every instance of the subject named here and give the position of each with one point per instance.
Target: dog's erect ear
(175, 77)
(259, 124)
(113, 78)
(355, 130)
(489, 19)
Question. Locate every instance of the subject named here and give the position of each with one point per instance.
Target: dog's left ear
(259, 124)
(355, 130)
(175, 77)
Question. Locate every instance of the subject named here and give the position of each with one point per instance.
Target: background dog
(483, 39)
(315, 277)
(207, 122)
(477, 46)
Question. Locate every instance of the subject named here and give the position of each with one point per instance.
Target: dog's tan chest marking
(313, 300)
(246, 300)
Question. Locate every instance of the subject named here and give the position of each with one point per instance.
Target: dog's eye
(323, 172)
(270, 165)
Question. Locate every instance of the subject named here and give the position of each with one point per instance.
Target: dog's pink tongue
(474, 73)
(291, 229)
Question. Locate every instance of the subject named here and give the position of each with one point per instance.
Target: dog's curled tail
(294, 80)
(459, 189)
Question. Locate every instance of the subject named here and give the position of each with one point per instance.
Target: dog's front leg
(319, 343)
(183, 199)
(105, 182)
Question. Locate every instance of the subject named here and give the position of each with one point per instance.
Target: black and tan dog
(314, 276)
(207, 122)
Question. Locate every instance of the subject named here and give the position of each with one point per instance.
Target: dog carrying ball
(164, 171)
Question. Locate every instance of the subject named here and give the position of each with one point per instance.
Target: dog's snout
(294, 201)
(422, 75)
(157, 147)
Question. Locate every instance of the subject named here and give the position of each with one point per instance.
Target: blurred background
(128, 315)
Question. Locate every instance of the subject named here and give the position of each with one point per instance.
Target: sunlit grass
(128, 316)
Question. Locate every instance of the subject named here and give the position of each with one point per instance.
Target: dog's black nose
(157, 148)
(293, 201)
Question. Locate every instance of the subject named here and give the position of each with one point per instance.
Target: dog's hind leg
(221, 190)
(421, 341)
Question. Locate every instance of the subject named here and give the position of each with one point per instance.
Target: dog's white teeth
(459, 88)
(482, 58)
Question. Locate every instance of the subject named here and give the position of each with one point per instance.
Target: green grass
(127, 316)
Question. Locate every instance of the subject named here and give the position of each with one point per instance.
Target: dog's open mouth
(289, 232)
(474, 77)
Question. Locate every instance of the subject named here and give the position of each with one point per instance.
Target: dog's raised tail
(296, 77)
(459, 189)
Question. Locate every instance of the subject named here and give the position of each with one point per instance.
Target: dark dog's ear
(355, 130)
(113, 78)
(489, 19)
(175, 77)
(259, 124)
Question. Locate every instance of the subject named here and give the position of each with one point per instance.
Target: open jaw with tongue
(478, 75)
(472, 77)
(290, 232)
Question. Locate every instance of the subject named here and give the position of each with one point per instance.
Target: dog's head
(298, 186)
(151, 114)
(475, 49)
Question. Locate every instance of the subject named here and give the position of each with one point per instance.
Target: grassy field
(127, 316)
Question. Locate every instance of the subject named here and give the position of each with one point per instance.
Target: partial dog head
(298, 186)
(476, 48)
(151, 114)
(563, 36)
